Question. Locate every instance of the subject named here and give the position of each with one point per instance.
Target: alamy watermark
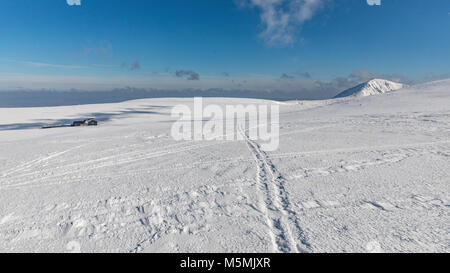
(255, 122)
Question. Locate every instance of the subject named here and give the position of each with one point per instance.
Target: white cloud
(374, 2)
(282, 19)
(74, 2)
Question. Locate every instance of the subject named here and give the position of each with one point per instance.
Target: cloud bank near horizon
(293, 86)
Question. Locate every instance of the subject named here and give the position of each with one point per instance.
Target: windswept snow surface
(364, 174)
(372, 87)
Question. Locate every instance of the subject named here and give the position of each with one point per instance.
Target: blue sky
(311, 47)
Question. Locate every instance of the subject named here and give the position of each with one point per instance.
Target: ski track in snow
(386, 155)
(120, 161)
(36, 162)
(279, 216)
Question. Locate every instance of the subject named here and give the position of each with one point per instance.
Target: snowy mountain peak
(372, 87)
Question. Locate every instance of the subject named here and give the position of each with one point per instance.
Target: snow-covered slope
(372, 87)
(364, 174)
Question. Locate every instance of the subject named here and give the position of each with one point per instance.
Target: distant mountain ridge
(372, 87)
